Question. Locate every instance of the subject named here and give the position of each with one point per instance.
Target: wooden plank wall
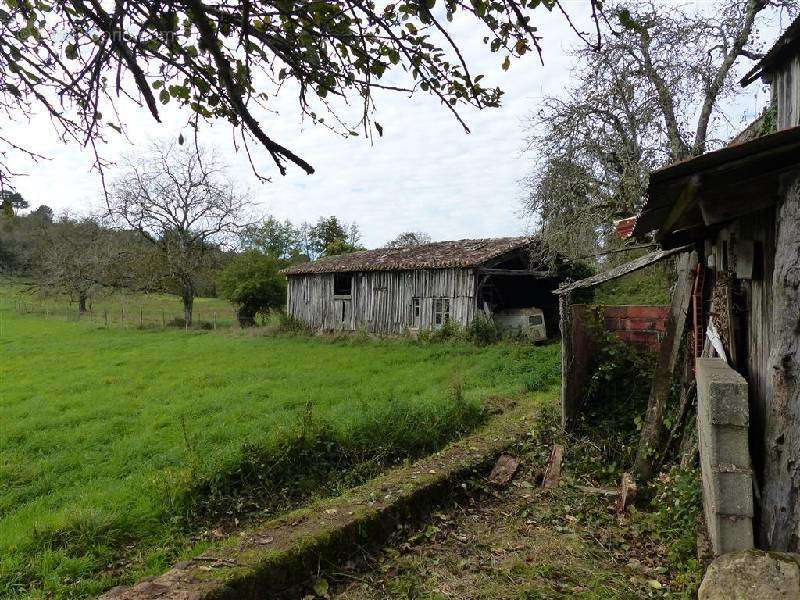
(759, 228)
(381, 300)
(786, 85)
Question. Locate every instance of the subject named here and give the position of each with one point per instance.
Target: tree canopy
(75, 60)
(654, 93)
(252, 282)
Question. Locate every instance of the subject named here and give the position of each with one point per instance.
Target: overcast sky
(425, 173)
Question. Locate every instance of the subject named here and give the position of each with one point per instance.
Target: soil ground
(521, 542)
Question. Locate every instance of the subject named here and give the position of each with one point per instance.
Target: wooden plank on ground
(553, 473)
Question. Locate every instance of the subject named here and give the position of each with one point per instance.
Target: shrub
(449, 331)
(254, 284)
(482, 331)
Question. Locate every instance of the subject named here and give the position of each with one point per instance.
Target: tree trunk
(188, 301)
(246, 316)
(652, 438)
(82, 302)
(780, 518)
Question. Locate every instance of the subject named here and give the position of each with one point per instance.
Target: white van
(522, 321)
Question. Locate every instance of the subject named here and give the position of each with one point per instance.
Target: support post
(568, 392)
(653, 430)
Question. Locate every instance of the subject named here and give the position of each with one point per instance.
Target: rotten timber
(624, 269)
(653, 429)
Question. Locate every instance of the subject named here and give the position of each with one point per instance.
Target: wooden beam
(653, 429)
(624, 269)
(686, 200)
(518, 272)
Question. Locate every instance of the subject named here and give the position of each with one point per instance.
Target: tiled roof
(438, 255)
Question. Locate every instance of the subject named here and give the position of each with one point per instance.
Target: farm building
(738, 210)
(391, 290)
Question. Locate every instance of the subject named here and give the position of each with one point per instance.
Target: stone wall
(722, 421)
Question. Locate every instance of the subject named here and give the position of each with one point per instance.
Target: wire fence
(129, 316)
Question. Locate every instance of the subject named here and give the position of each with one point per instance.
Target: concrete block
(725, 392)
(722, 419)
(725, 445)
(728, 497)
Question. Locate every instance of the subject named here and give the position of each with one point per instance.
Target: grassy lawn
(121, 450)
(120, 310)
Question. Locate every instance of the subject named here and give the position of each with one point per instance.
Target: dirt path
(522, 542)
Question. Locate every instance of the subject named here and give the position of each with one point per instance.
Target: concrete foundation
(722, 420)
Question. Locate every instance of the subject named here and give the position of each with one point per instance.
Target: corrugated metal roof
(438, 255)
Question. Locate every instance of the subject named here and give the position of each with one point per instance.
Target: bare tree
(651, 95)
(409, 239)
(77, 256)
(181, 202)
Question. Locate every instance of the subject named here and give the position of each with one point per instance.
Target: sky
(425, 173)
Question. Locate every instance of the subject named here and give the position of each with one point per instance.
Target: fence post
(105, 316)
(141, 318)
(163, 320)
(123, 316)
(215, 320)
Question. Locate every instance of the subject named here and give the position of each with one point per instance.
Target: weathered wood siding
(760, 228)
(381, 301)
(786, 87)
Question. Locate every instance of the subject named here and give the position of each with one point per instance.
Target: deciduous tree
(654, 93)
(221, 60)
(410, 239)
(181, 202)
(253, 283)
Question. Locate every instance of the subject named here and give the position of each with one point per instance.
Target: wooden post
(780, 504)
(163, 320)
(568, 393)
(122, 321)
(105, 316)
(653, 430)
(141, 318)
(215, 320)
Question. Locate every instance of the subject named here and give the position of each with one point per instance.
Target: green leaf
(164, 96)
(506, 63)
(71, 51)
(321, 588)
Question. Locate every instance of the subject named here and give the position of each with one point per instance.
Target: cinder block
(722, 418)
(725, 392)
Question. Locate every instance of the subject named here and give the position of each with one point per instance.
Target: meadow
(122, 450)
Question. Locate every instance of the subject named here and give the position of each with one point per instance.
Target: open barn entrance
(508, 288)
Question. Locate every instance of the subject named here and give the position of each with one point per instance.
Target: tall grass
(121, 449)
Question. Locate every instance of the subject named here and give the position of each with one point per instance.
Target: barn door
(344, 313)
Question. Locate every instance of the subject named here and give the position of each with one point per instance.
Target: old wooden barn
(739, 209)
(391, 290)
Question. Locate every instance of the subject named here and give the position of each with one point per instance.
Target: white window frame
(441, 311)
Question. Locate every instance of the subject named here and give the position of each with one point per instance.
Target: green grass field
(119, 310)
(121, 449)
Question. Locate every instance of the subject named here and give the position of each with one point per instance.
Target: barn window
(441, 311)
(342, 284)
(416, 311)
